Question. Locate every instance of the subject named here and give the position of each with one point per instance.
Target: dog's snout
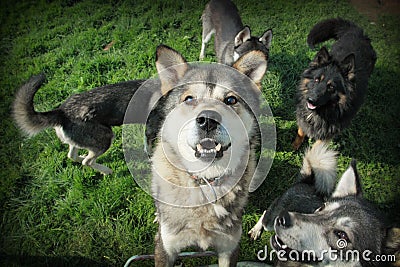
(311, 100)
(208, 120)
(284, 219)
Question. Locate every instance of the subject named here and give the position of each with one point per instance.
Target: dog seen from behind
(84, 120)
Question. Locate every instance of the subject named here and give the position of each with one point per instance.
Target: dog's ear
(347, 66)
(253, 64)
(349, 184)
(171, 67)
(321, 58)
(242, 36)
(266, 38)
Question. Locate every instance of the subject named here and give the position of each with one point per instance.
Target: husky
(232, 39)
(84, 120)
(315, 184)
(204, 139)
(346, 230)
(332, 88)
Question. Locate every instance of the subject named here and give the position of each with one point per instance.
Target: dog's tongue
(311, 106)
(208, 143)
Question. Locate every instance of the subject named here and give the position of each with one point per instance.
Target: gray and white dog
(315, 185)
(345, 230)
(204, 140)
(232, 39)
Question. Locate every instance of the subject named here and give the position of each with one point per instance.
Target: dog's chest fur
(204, 225)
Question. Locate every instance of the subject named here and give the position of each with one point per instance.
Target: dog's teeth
(199, 147)
(218, 147)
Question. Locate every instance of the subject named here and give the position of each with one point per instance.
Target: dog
(232, 39)
(204, 139)
(333, 87)
(347, 230)
(315, 185)
(84, 120)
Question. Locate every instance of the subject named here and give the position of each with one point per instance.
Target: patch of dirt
(373, 9)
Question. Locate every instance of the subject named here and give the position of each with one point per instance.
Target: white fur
(256, 231)
(322, 162)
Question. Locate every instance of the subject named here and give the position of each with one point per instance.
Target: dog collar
(216, 181)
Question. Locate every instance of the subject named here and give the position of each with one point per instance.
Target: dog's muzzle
(208, 147)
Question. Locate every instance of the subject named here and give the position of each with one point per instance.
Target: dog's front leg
(161, 257)
(228, 259)
(299, 139)
(227, 247)
(256, 231)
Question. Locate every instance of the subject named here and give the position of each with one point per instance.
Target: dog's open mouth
(311, 106)
(278, 244)
(300, 256)
(209, 149)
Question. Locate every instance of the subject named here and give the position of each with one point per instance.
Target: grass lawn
(55, 212)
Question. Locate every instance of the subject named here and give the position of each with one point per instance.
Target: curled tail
(319, 165)
(23, 112)
(328, 29)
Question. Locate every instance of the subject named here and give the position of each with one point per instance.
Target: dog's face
(209, 119)
(244, 43)
(346, 222)
(324, 84)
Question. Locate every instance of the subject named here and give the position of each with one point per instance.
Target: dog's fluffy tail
(319, 166)
(23, 112)
(330, 28)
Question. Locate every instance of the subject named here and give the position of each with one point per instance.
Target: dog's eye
(230, 100)
(316, 80)
(321, 208)
(189, 100)
(341, 235)
(331, 87)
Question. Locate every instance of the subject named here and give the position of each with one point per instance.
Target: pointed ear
(347, 66)
(321, 58)
(349, 184)
(242, 36)
(252, 64)
(171, 67)
(266, 38)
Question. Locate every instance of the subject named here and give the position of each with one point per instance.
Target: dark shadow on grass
(280, 177)
(41, 261)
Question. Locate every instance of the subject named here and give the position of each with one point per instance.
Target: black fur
(335, 83)
(84, 120)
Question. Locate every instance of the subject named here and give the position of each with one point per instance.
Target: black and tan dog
(333, 87)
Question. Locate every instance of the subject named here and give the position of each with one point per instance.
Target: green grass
(56, 212)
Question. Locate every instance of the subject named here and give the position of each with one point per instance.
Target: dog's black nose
(208, 120)
(284, 219)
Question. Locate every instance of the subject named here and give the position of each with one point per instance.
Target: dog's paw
(101, 168)
(255, 232)
(296, 144)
